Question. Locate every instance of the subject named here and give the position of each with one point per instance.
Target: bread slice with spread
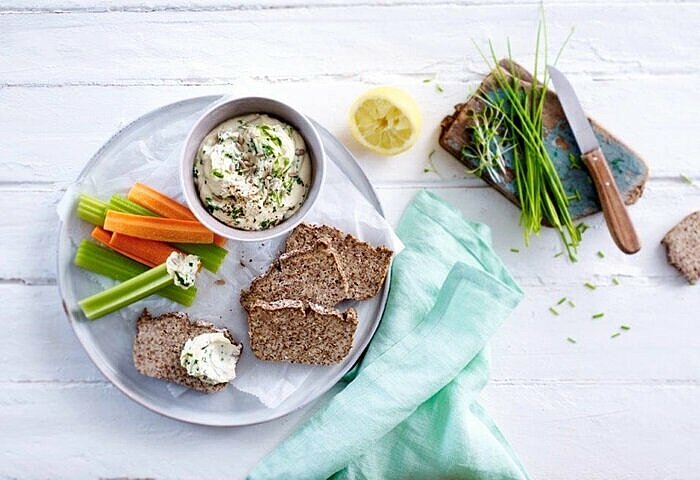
(159, 344)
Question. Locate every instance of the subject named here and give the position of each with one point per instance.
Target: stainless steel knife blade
(585, 138)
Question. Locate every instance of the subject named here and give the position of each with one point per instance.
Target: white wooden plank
(600, 432)
(531, 347)
(662, 206)
(128, 48)
(88, 430)
(47, 136)
(568, 431)
(32, 245)
(62, 6)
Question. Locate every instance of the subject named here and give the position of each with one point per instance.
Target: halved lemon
(386, 120)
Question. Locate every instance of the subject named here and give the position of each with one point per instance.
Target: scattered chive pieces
(574, 196)
(573, 162)
(590, 286)
(571, 304)
(558, 254)
(431, 165)
(427, 80)
(599, 315)
(600, 254)
(554, 311)
(687, 179)
(572, 340)
(616, 334)
(439, 88)
(515, 250)
(562, 300)
(582, 227)
(615, 281)
(625, 327)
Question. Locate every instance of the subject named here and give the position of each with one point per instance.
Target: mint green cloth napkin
(410, 409)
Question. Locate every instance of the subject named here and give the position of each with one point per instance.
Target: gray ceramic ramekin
(226, 110)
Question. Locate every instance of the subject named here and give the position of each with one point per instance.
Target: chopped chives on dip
(615, 335)
(598, 315)
(570, 340)
(625, 327)
(589, 286)
(615, 281)
(561, 300)
(554, 311)
(600, 254)
(515, 250)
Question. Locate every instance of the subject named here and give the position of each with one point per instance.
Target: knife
(614, 208)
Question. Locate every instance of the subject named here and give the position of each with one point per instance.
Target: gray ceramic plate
(108, 341)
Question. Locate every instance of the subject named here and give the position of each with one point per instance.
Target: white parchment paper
(152, 158)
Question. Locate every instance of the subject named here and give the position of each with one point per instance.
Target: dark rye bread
(312, 274)
(364, 266)
(682, 244)
(300, 332)
(159, 341)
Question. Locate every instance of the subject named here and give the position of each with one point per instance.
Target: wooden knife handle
(614, 208)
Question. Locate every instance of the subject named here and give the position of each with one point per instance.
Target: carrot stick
(157, 228)
(151, 250)
(164, 206)
(104, 237)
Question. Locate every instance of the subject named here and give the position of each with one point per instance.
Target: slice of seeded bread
(300, 332)
(312, 274)
(364, 266)
(159, 341)
(682, 244)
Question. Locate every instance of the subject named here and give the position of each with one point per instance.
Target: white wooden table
(74, 71)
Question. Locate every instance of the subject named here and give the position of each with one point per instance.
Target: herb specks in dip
(252, 172)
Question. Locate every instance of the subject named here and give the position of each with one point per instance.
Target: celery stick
(126, 293)
(100, 260)
(91, 209)
(212, 256)
(123, 204)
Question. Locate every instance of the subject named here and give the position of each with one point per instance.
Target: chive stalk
(520, 104)
(598, 315)
(589, 286)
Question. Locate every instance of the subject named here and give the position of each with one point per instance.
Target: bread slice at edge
(682, 244)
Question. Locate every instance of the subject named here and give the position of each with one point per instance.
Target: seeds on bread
(312, 273)
(159, 341)
(682, 244)
(300, 332)
(364, 265)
